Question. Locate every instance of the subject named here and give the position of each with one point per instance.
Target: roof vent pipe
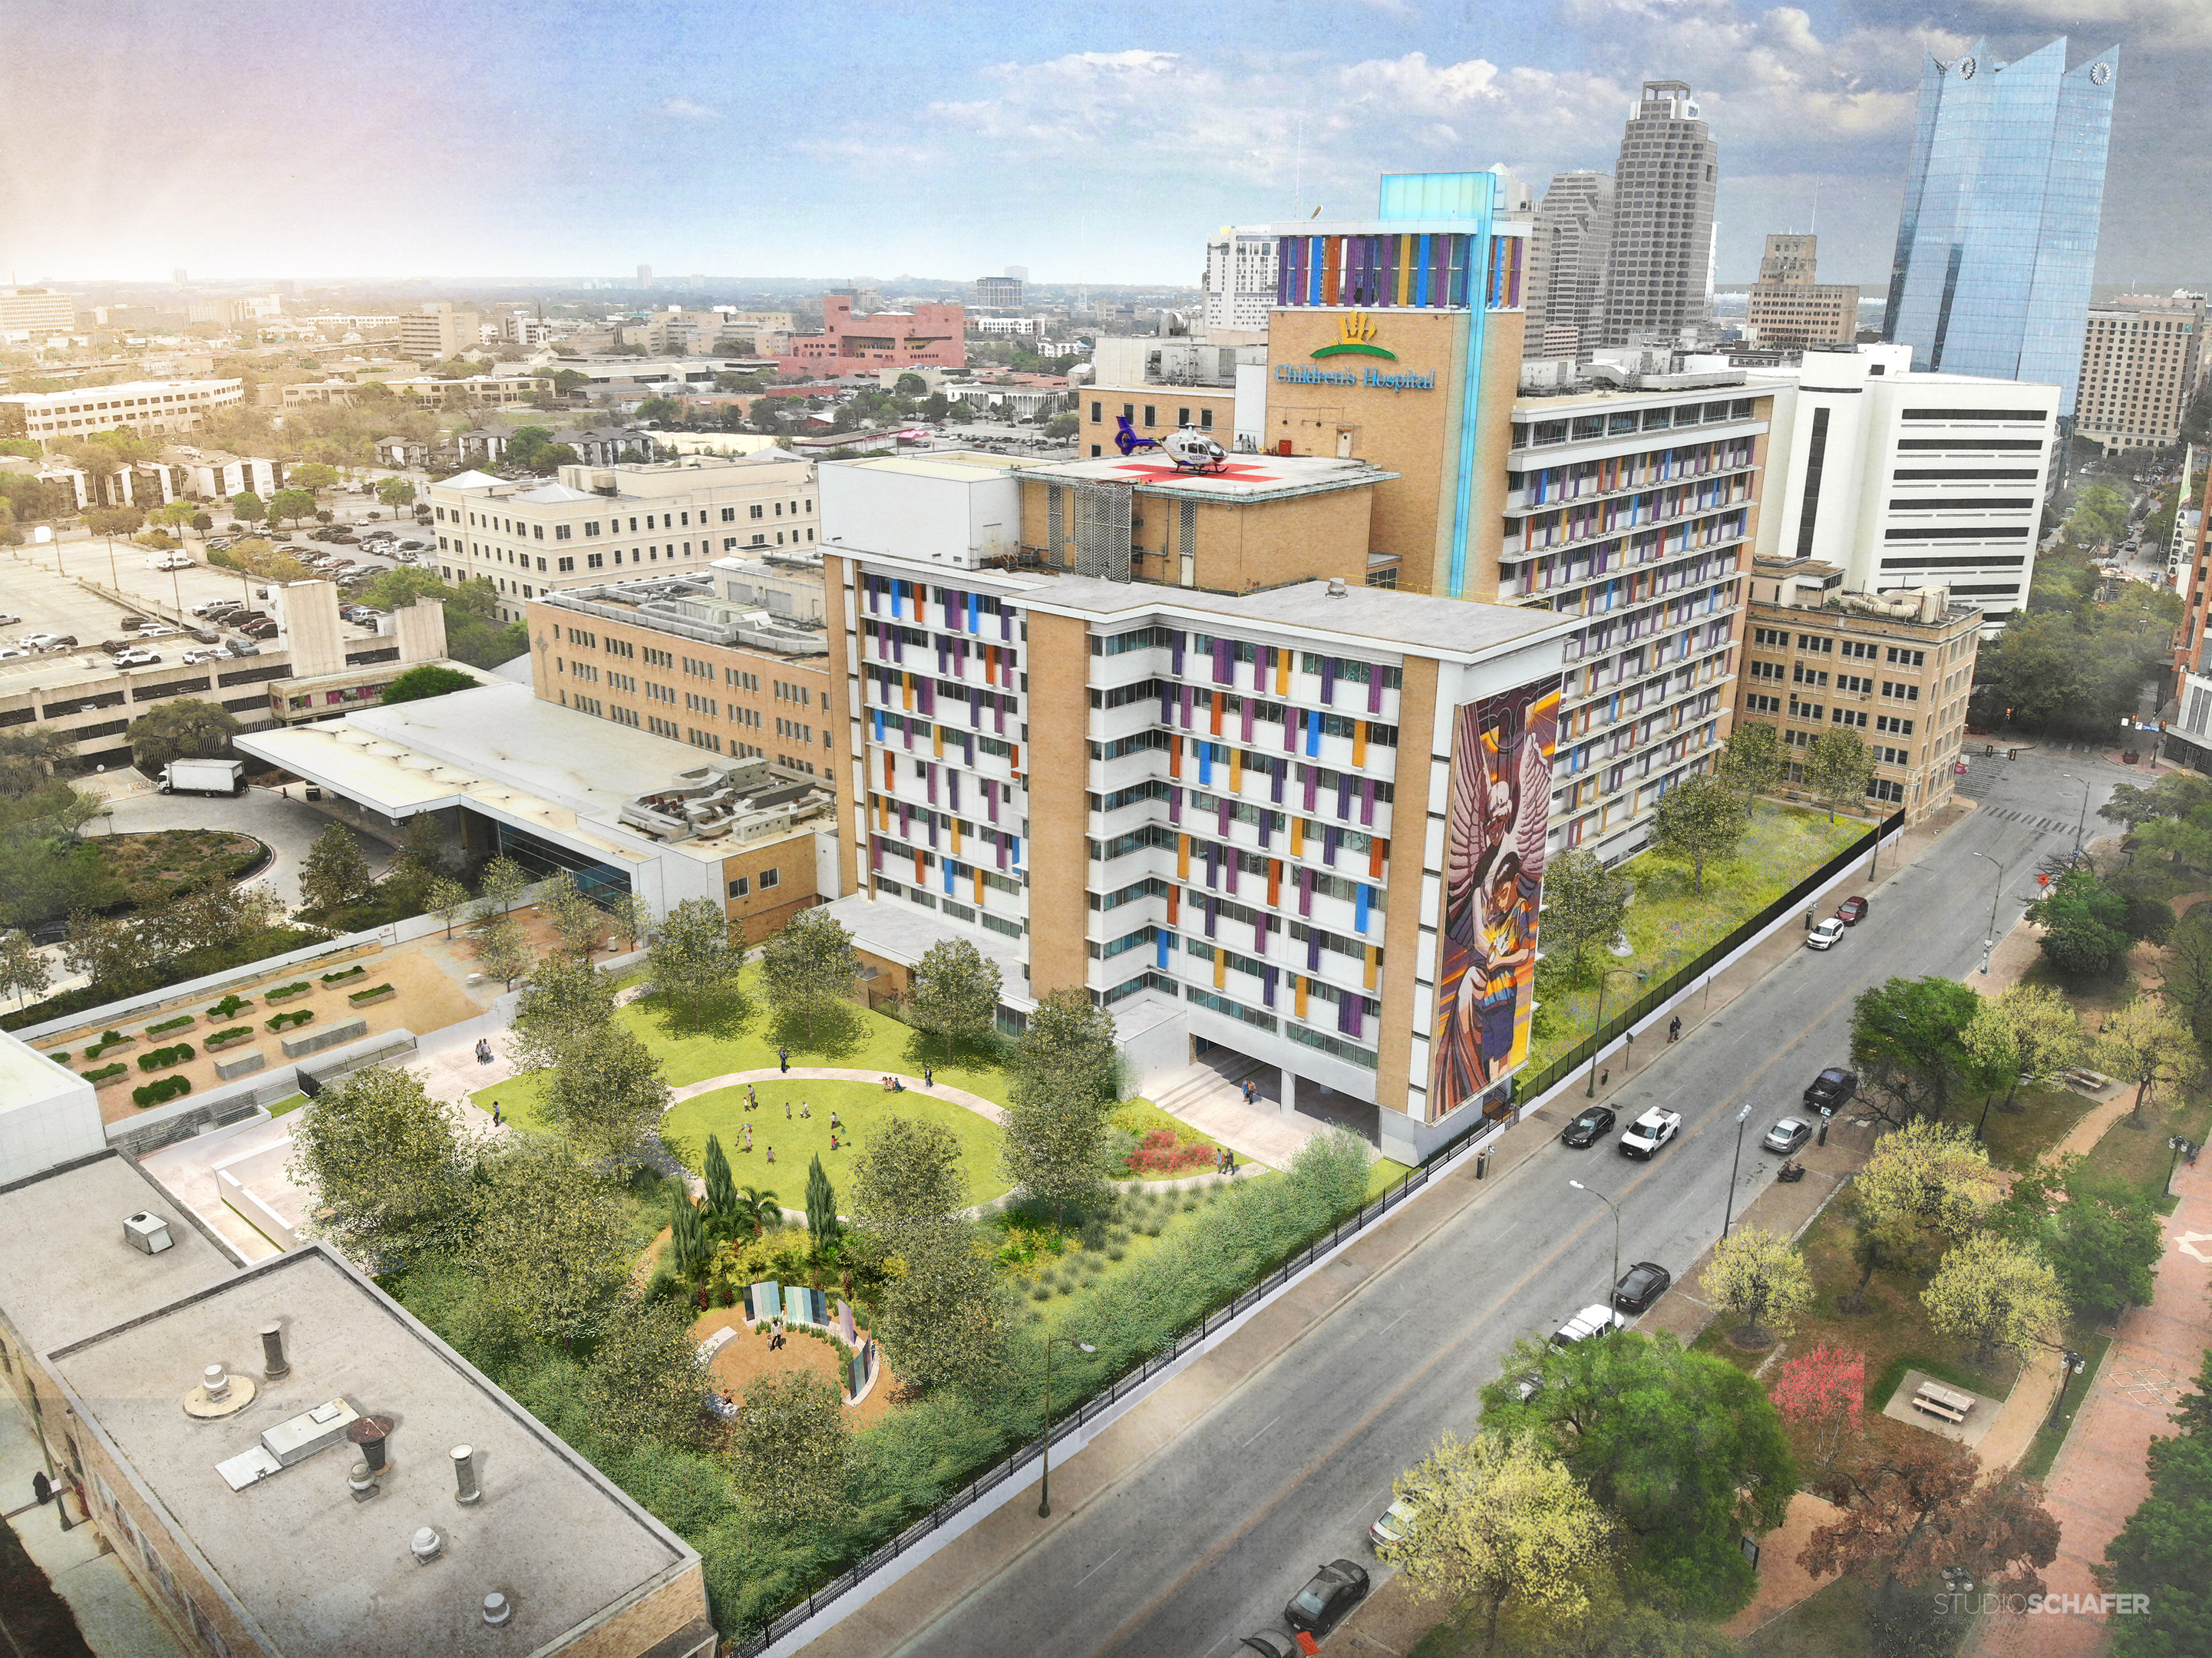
(466, 1491)
(216, 1381)
(496, 1609)
(426, 1545)
(272, 1351)
(369, 1432)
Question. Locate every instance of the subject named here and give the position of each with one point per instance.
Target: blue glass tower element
(1998, 240)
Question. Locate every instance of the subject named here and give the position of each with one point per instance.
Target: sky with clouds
(1101, 143)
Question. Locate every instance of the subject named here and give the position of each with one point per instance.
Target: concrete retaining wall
(314, 1041)
(251, 1060)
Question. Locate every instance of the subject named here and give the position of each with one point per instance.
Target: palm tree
(759, 1206)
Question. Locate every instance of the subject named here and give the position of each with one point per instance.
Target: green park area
(1671, 921)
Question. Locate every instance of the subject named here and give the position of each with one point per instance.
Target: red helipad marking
(1234, 473)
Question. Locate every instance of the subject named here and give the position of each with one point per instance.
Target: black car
(1640, 1285)
(1832, 1088)
(1327, 1598)
(1594, 1123)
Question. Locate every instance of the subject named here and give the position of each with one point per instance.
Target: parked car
(1824, 936)
(240, 648)
(210, 607)
(346, 540)
(411, 546)
(219, 545)
(135, 657)
(205, 635)
(8, 620)
(9, 652)
(1392, 1525)
(1327, 1598)
(159, 630)
(1787, 1135)
(131, 623)
(1594, 1123)
(1649, 1132)
(1640, 1285)
(1269, 1644)
(193, 658)
(1832, 1088)
(168, 562)
(1852, 911)
(1595, 1319)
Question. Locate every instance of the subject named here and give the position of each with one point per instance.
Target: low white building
(150, 406)
(1240, 278)
(1907, 480)
(48, 1114)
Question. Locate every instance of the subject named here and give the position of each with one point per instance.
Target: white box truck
(203, 777)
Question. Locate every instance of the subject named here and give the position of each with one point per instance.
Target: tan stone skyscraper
(1791, 307)
(1569, 244)
(1659, 279)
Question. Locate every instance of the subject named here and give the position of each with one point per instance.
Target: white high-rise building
(1240, 278)
(1659, 279)
(1568, 248)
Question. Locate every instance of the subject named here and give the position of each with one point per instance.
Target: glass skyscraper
(1998, 240)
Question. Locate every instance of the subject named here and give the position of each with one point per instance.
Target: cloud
(685, 109)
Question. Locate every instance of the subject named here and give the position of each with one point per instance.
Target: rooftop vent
(272, 1352)
(146, 1232)
(426, 1545)
(466, 1493)
(217, 1394)
(496, 1609)
(1336, 587)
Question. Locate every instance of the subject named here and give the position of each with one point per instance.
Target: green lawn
(2140, 1157)
(861, 1105)
(1669, 923)
(2042, 1117)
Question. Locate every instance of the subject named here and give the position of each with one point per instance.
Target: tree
(576, 918)
(290, 505)
(2084, 924)
(956, 991)
(503, 948)
(1992, 1291)
(1821, 1394)
(1684, 1450)
(693, 958)
(1584, 904)
(689, 1249)
(759, 1208)
(807, 967)
(447, 900)
(311, 477)
(2104, 1243)
(821, 1204)
(1925, 1185)
(790, 1454)
(1069, 1043)
(396, 492)
(2187, 970)
(1495, 1521)
(945, 1320)
(646, 1383)
(422, 849)
(607, 1093)
(1837, 768)
(1916, 1504)
(722, 1190)
(115, 521)
(389, 1173)
(564, 1002)
(181, 728)
(2159, 1553)
(631, 916)
(908, 1179)
(336, 873)
(1752, 759)
(503, 882)
(2046, 1035)
(1908, 1044)
(1760, 1277)
(1055, 1131)
(1699, 818)
(552, 1240)
(24, 973)
(523, 444)
(428, 680)
(2143, 1043)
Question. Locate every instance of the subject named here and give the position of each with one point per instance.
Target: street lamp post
(2080, 817)
(1735, 1167)
(2071, 1366)
(1610, 1203)
(1996, 895)
(2174, 1143)
(1597, 1044)
(1044, 1487)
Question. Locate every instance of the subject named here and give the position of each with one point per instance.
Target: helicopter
(1125, 439)
(1193, 452)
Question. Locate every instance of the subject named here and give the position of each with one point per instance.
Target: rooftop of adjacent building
(691, 611)
(1243, 479)
(502, 751)
(312, 1570)
(121, 389)
(643, 480)
(1797, 587)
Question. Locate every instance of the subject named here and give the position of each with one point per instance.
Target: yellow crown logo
(1355, 334)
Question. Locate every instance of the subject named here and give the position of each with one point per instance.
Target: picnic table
(1948, 1403)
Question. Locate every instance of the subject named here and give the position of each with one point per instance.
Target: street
(1207, 1538)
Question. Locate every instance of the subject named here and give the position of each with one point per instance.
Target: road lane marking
(1263, 1428)
(1100, 1567)
(1396, 1322)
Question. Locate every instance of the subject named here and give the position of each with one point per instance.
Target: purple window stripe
(1374, 688)
(1313, 784)
(1277, 771)
(1344, 794)
(1367, 800)
(1328, 681)
(1305, 892)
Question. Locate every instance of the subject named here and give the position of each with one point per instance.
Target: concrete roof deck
(324, 1575)
(66, 1270)
(1245, 478)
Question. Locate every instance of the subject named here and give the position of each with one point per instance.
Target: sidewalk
(2100, 1477)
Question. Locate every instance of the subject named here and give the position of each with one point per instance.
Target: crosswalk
(2048, 826)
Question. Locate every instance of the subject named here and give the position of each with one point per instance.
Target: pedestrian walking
(749, 1136)
(771, 1154)
(804, 1109)
(1674, 1028)
(928, 1077)
(1229, 1162)
(495, 1114)
(787, 1111)
(783, 1055)
(1605, 1078)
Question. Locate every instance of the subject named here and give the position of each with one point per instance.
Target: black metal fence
(1104, 1399)
(1533, 1085)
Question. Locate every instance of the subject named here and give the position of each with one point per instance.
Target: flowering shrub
(1159, 1153)
(1822, 1393)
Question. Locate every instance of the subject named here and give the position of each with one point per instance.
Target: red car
(1851, 911)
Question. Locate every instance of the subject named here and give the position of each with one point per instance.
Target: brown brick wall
(1057, 767)
(1095, 436)
(851, 869)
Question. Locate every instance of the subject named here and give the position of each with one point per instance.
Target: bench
(2089, 1082)
(1940, 1401)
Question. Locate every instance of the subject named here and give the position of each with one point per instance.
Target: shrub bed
(284, 993)
(156, 1093)
(228, 1007)
(107, 1073)
(283, 1020)
(375, 993)
(182, 1021)
(1159, 1152)
(108, 1039)
(340, 977)
(162, 1058)
(157, 975)
(237, 1033)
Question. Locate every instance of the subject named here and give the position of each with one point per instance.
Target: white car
(168, 562)
(1824, 936)
(40, 641)
(1649, 1132)
(1392, 1525)
(135, 659)
(1596, 1318)
(159, 630)
(193, 658)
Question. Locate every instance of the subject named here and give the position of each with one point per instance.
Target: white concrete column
(1289, 1086)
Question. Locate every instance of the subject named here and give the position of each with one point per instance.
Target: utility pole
(1729, 1219)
